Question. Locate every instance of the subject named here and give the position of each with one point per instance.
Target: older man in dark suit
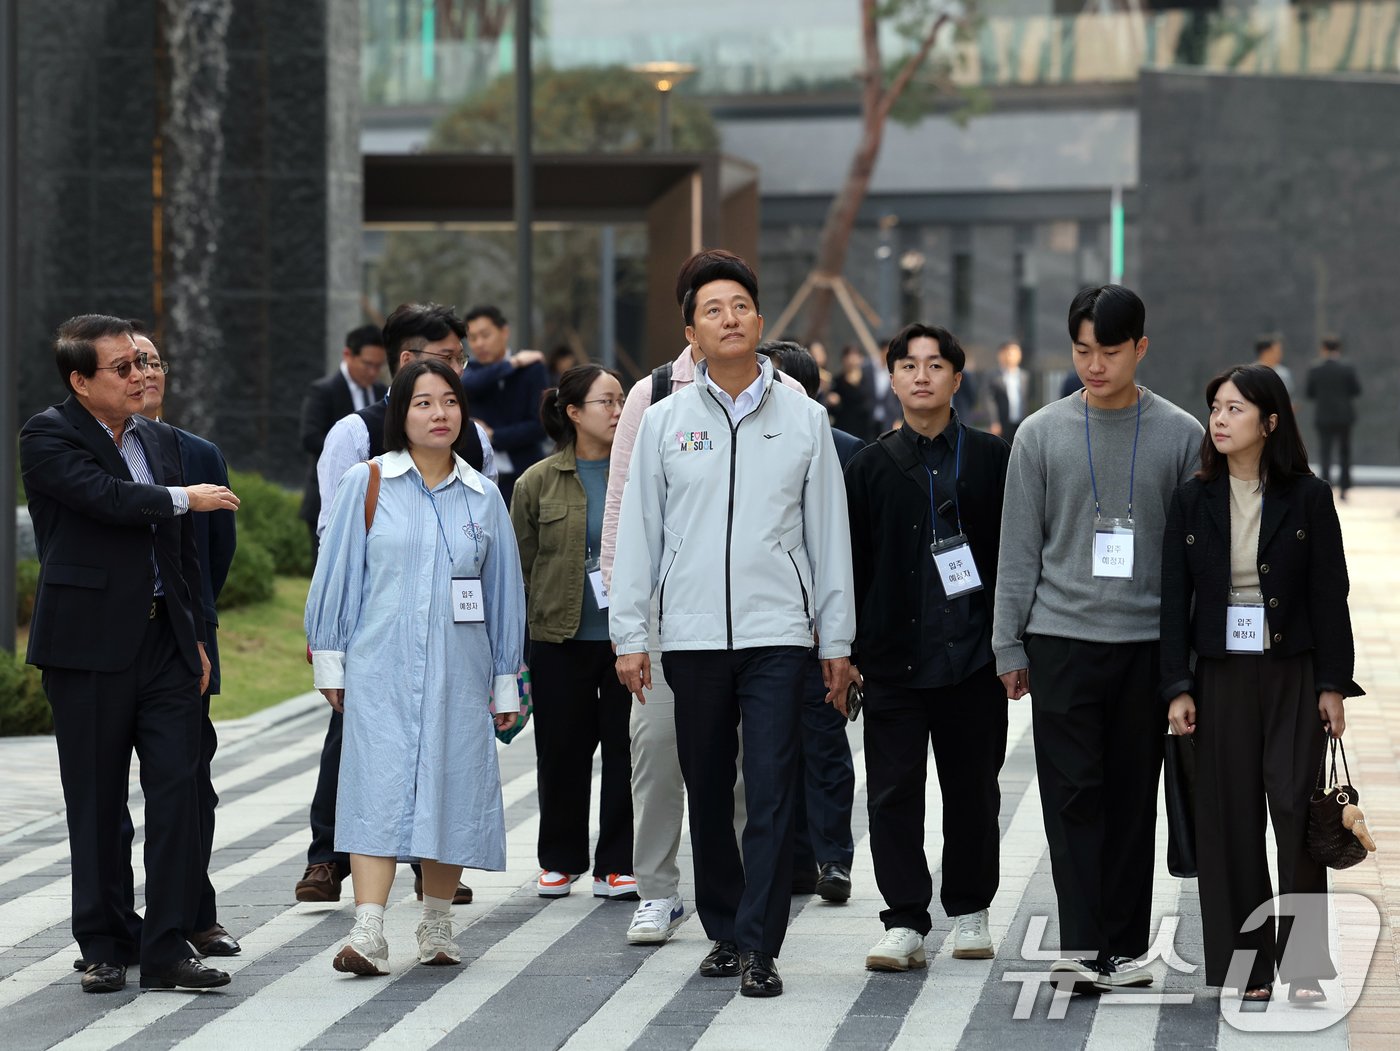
(119, 636)
(353, 386)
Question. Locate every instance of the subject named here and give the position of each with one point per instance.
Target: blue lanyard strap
(1132, 468)
(957, 503)
(442, 531)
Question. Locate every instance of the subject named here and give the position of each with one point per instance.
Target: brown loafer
(320, 883)
(462, 897)
(215, 942)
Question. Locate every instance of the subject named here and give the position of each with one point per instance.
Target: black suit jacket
(93, 528)
(1333, 385)
(1002, 400)
(215, 537)
(1302, 573)
(886, 495)
(327, 400)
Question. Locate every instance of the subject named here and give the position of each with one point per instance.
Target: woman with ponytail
(557, 511)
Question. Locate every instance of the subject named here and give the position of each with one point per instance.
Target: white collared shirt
(393, 464)
(361, 396)
(745, 403)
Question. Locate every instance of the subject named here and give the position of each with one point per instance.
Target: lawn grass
(262, 652)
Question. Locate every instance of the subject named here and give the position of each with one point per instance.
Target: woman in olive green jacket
(557, 511)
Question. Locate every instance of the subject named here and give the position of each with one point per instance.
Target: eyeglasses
(123, 368)
(160, 366)
(607, 403)
(455, 360)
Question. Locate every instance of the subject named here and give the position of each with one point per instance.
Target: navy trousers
(744, 900)
(827, 778)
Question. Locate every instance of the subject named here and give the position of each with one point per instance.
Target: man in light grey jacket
(734, 514)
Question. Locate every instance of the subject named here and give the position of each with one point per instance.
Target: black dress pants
(1259, 741)
(1099, 728)
(966, 724)
(746, 899)
(152, 706)
(1335, 445)
(827, 777)
(322, 850)
(580, 706)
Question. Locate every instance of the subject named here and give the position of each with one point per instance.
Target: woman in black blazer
(1254, 540)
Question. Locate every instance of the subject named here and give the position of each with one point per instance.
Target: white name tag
(1244, 629)
(468, 601)
(1113, 548)
(956, 568)
(600, 590)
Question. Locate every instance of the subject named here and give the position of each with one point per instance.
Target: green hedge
(267, 516)
(23, 707)
(250, 578)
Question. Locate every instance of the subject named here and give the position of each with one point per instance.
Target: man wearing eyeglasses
(413, 331)
(505, 391)
(120, 639)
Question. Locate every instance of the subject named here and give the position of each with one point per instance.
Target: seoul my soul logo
(694, 441)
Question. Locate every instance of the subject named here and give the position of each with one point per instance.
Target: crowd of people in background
(705, 578)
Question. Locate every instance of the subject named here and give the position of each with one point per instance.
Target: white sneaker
(1118, 972)
(435, 944)
(554, 884)
(972, 938)
(655, 921)
(900, 949)
(366, 953)
(620, 886)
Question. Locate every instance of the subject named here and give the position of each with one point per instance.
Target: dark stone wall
(1269, 204)
(284, 281)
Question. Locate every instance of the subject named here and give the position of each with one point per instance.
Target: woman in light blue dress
(412, 624)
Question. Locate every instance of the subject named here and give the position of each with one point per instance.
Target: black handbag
(1179, 774)
(1330, 842)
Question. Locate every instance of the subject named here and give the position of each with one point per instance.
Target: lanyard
(957, 504)
(1132, 469)
(442, 531)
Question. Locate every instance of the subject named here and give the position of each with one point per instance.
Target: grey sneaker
(435, 944)
(1121, 972)
(366, 953)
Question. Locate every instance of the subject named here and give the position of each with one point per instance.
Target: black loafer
(215, 942)
(722, 961)
(187, 974)
(104, 978)
(758, 975)
(834, 882)
(462, 896)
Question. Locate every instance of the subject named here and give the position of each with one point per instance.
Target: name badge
(1113, 548)
(468, 601)
(1244, 628)
(595, 581)
(956, 568)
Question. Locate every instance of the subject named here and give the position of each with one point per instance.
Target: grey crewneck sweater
(1045, 581)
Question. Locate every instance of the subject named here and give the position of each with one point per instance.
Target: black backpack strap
(660, 382)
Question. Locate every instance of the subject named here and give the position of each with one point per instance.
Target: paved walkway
(540, 974)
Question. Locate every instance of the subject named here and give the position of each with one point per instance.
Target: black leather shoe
(104, 978)
(187, 974)
(834, 882)
(758, 975)
(215, 942)
(462, 897)
(80, 964)
(804, 881)
(722, 961)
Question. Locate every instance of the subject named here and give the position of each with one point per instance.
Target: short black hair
(1284, 457)
(949, 349)
(401, 395)
(1264, 341)
(796, 361)
(694, 263)
(718, 266)
(357, 339)
(419, 321)
(491, 313)
(74, 344)
(573, 389)
(1116, 313)
(1331, 344)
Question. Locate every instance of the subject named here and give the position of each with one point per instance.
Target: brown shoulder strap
(371, 495)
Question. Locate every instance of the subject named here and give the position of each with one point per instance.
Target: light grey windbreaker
(741, 529)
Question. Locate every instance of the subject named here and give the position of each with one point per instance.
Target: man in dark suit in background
(1333, 385)
(120, 639)
(1011, 392)
(353, 386)
(505, 390)
(215, 537)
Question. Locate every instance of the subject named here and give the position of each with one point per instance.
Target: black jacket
(887, 497)
(327, 400)
(1302, 573)
(93, 527)
(1333, 385)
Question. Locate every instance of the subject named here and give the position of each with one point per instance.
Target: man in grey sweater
(1076, 625)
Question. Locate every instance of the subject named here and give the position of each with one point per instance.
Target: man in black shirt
(1333, 387)
(925, 508)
